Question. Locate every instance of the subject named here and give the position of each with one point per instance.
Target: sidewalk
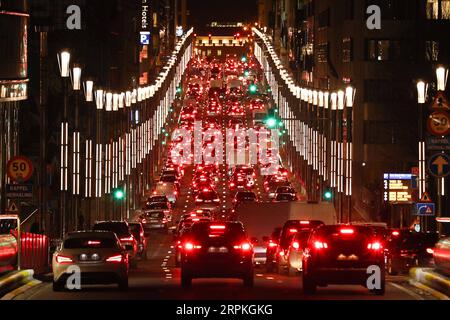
(438, 284)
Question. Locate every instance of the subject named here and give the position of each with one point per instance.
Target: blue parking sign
(145, 37)
(426, 209)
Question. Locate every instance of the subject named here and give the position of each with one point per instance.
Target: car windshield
(90, 242)
(121, 229)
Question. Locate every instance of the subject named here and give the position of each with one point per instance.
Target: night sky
(203, 12)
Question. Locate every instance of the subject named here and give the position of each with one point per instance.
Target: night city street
(239, 159)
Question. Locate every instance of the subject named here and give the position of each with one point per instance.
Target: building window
(438, 9)
(220, 41)
(219, 53)
(347, 50)
(324, 19)
(387, 50)
(208, 53)
(395, 9)
(431, 50)
(322, 52)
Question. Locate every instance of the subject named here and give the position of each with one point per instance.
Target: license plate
(343, 257)
(217, 250)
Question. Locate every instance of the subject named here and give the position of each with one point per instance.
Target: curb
(14, 280)
(431, 279)
(13, 294)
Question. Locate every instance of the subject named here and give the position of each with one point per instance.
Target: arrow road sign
(439, 165)
(426, 209)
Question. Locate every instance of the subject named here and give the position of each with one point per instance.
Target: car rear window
(283, 196)
(155, 215)
(230, 232)
(245, 195)
(208, 195)
(158, 199)
(168, 178)
(90, 242)
(157, 206)
(121, 229)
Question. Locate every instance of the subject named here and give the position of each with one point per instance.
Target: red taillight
(117, 259)
(189, 246)
(94, 243)
(305, 222)
(175, 193)
(281, 253)
(127, 239)
(347, 231)
(154, 192)
(63, 259)
(395, 233)
(217, 227)
(292, 230)
(216, 200)
(232, 184)
(430, 251)
(374, 246)
(272, 244)
(244, 246)
(296, 245)
(198, 200)
(164, 220)
(320, 245)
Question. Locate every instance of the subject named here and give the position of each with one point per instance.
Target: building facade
(328, 44)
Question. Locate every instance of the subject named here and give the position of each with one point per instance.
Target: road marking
(411, 293)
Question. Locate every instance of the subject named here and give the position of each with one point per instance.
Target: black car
(342, 254)
(217, 250)
(289, 230)
(405, 249)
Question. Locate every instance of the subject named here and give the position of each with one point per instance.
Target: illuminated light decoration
(109, 101)
(121, 147)
(115, 164)
(442, 76)
(76, 163)
(89, 90)
(76, 78)
(64, 156)
(121, 100)
(64, 64)
(133, 149)
(108, 168)
(98, 170)
(128, 147)
(333, 142)
(99, 99)
(115, 102)
(88, 169)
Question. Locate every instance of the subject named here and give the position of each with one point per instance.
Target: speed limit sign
(19, 169)
(439, 123)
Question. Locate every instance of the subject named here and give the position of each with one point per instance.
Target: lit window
(433, 11)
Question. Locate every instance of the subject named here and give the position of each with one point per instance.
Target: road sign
(426, 209)
(425, 198)
(19, 169)
(440, 102)
(19, 191)
(438, 143)
(398, 188)
(13, 208)
(439, 123)
(439, 165)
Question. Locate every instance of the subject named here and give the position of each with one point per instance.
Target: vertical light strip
(76, 163)
(98, 170)
(88, 170)
(108, 169)
(128, 154)
(133, 149)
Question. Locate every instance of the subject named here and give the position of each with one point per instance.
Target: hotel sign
(145, 15)
(398, 188)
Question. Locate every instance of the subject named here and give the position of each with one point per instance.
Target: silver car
(98, 255)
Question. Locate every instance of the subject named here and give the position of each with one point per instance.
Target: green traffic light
(119, 194)
(253, 88)
(271, 123)
(179, 90)
(244, 59)
(246, 73)
(328, 195)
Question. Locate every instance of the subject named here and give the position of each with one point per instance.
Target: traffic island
(14, 280)
(432, 279)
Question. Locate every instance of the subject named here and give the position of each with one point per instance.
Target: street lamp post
(88, 87)
(64, 69)
(76, 86)
(350, 99)
(422, 89)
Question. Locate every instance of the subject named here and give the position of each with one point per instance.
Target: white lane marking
(411, 293)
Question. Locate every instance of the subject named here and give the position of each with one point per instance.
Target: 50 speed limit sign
(19, 169)
(439, 123)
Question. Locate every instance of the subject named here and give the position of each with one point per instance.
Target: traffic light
(328, 195)
(244, 59)
(179, 90)
(253, 88)
(271, 122)
(246, 73)
(118, 194)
